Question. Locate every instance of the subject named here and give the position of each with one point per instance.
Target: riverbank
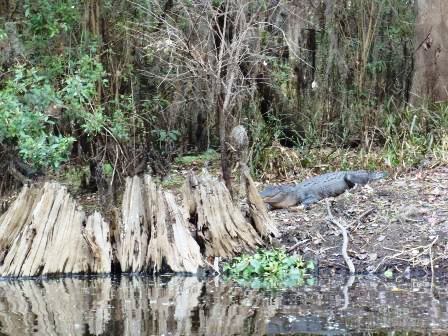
(398, 224)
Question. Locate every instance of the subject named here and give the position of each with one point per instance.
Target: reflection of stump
(239, 145)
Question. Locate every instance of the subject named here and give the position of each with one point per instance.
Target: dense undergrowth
(112, 89)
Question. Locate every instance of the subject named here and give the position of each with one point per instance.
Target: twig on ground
(361, 217)
(333, 220)
(432, 265)
(296, 245)
(413, 258)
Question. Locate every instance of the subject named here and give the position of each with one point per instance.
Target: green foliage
(108, 170)
(166, 135)
(413, 134)
(359, 101)
(24, 122)
(389, 273)
(75, 176)
(361, 77)
(46, 19)
(282, 75)
(209, 155)
(80, 87)
(269, 269)
(79, 94)
(173, 181)
(217, 3)
(3, 34)
(28, 94)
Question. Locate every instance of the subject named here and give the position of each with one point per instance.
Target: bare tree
(214, 56)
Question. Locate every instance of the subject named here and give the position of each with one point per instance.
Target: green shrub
(24, 123)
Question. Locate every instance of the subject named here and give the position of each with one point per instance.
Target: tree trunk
(222, 124)
(431, 52)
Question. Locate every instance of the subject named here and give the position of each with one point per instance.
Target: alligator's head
(377, 175)
(279, 196)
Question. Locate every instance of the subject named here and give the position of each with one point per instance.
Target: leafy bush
(46, 18)
(269, 269)
(24, 123)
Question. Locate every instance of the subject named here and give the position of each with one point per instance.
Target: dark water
(189, 306)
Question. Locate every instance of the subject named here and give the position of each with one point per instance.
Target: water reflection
(190, 306)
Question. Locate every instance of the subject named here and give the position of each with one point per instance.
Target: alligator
(316, 188)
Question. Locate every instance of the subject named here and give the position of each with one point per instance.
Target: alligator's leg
(308, 200)
(282, 200)
(275, 198)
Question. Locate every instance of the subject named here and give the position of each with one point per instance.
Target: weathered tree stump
(134, 228)
(44, 232)
(257, 209)
(221, 228)
(153, 231)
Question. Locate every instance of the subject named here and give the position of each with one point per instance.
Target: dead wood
(239, 151)
(134, 228)
(258, 212)
(153, 233)
(97, 236)
(221, 228)
(170, 239)
(347, 259)
(43, 233)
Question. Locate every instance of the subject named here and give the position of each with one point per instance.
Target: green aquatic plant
(270, 269)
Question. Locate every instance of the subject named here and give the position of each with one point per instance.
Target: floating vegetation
(270, 269)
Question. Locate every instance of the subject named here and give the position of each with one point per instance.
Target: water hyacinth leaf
(268, 269)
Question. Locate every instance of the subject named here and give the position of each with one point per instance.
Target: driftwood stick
(296, 245)
(341, 227)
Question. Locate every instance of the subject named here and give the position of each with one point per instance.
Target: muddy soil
(397, 224)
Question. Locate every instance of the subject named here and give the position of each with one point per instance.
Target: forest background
(96, 90)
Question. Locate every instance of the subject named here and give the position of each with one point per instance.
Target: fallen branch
(296, 245)
(361, 217)
(333, 220)
(347, 285)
